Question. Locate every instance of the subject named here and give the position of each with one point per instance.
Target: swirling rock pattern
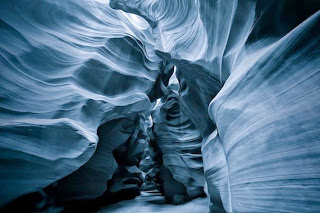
(248, 75)
(66, 69)
(179, 143)
(258, 70)
(116, 138)
(282, 101)
(202, 40)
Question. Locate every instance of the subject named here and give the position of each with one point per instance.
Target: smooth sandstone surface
(248, 74)
(179, 143)
(66, 68)
(77, 76)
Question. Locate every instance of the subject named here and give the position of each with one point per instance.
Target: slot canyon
(160, 106)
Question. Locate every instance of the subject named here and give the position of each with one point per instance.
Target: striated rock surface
(77, 76)
(66, 69)
(266, 147)
(261, 139)
(179, 143)
(90, 180)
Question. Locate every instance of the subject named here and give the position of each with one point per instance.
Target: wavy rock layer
(90, 180)
(280, 94)
(202, 40)
(66, 68)
(261, 130)
(248, 76)
(179, 143)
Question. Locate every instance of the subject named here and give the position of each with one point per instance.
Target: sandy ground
(153, 202)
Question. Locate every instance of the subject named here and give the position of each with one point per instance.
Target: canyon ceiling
(102, 99)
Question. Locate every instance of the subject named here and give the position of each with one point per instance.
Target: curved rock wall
(90, 180)
(271, 159)
(248, 73)
(66, 68)
(202, 40)
(179, 142)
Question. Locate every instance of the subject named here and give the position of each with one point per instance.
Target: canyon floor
(153, 202)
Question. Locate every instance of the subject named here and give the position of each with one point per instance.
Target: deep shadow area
(33, 203)
(107, 198)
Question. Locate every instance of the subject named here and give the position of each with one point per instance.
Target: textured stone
(247, 72)
(76, 76)
(179, 144)
(66, 69)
